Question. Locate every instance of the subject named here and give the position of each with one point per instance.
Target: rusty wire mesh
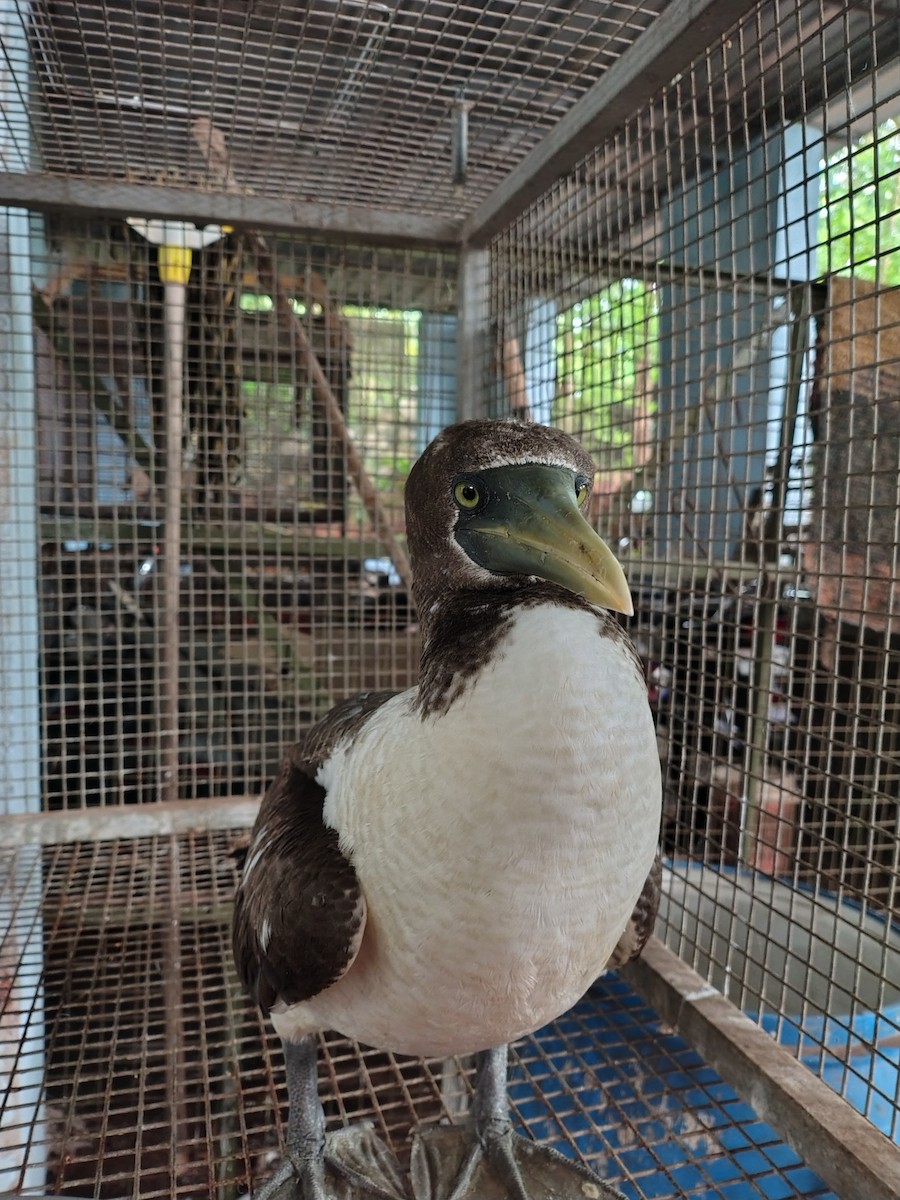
(286, 600)
(332, 102)
(161, 1079)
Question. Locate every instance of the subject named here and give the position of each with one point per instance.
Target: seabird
(442, 871)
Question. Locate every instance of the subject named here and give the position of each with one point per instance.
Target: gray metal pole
(472, 333)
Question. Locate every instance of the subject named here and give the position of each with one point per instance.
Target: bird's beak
(532, 525)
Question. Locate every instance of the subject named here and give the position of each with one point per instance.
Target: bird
(446, 869)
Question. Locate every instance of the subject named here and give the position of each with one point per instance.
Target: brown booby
(442, 871)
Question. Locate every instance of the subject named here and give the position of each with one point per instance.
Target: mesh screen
(327, 101)
(284, 600)
(711, 303)
(160, 1078)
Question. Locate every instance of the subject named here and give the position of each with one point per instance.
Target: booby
(442, 871)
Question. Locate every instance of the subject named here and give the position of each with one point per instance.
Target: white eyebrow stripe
(525, 459)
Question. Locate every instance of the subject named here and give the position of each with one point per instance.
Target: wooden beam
(682, 31)
(45, 192)
(111, 821)
(836, 1141)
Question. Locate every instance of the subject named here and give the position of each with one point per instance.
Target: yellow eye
(582, 488)
(466, 494)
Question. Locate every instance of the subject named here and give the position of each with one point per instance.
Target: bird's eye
(466, 494)
(582, 488)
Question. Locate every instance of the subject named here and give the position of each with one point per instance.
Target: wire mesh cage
(671, 230)
(722, 344)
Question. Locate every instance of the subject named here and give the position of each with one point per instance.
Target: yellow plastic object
(175, 264)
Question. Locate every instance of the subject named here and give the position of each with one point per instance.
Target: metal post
(767, 600)
(796, 232)
(174, 360)
(174, 269)
(473, 325)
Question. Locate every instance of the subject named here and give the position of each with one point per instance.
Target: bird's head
(497, 504)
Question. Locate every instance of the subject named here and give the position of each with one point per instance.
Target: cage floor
(113, 952)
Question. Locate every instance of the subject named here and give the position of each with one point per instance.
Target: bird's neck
(462, 629)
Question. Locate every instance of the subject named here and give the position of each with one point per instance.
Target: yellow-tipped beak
(533, 525)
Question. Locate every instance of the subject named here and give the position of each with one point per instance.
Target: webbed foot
(353, 1164)
(452, 1162)
(346, 1164)
(486, 1160)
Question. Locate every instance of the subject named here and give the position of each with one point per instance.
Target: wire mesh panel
(285, 599)
(710, 302)
(330, 101)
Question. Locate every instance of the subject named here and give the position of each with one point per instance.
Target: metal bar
(175, 294)
(22, 1164)
(212, 535)
(685, 29)
(767, 603)
(23, 1160)
(182, 907)
(44, 192)
(173, 990)
(473, 319)
(838, 1143)
(175, 311)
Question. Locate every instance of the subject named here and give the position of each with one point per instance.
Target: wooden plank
(129, 821)
(274, 533)
(836, 1141)
(45, 192)
(682, 31)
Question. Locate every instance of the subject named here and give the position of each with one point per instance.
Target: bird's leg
(303, 1166)
(305, 1137)
(493, 1127)
(344, 1165)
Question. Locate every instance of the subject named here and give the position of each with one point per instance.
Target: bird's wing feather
(641, 922)
(299, 912)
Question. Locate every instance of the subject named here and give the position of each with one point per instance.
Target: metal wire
(286, 595)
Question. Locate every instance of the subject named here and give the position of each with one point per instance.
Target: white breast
(501, 846)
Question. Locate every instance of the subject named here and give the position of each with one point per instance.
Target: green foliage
(381, 408)
(607, 352)
(859, 224)
(383, 400)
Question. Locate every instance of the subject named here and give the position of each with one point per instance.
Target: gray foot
(451, 1162)
(356, 1165)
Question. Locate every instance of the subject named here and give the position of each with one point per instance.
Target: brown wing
(642, 920)
(299, 912)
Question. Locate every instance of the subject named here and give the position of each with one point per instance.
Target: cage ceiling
(340, 115)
